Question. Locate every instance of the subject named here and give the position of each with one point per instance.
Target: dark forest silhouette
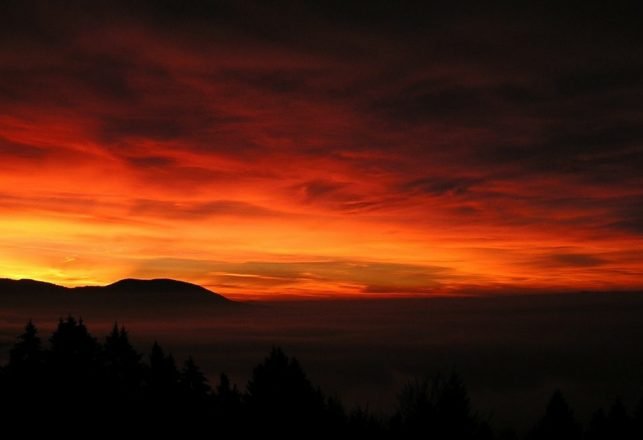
(109, 388)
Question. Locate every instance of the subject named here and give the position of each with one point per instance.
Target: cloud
(155, 128)
(409, 134)
(320, 188)
(564, 260)
(151, 161)
(342, 276)
(630, 218)
(439, 186)
(442, 104)
(18, 150)
(197, 210)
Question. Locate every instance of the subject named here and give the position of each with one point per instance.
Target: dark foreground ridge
(124, 295)
(108, 388)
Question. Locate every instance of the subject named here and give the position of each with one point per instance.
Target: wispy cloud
(410, 136)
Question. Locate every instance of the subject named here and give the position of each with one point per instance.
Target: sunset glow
(317, 162)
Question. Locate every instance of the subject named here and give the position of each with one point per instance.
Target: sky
(323, 149)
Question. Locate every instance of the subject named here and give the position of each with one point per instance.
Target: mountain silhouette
(162, 289)
(133, 295)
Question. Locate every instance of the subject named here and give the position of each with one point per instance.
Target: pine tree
(163, 374)
(27, 353)
(281, 396)
(194, 382)
(122, 362)
(72, 343)
(558, 423)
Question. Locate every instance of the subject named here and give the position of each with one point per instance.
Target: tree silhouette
(281, 398)
(228, 406)
(72, 345)
(226, 392)
(163, 379)
(22, 380)
(637, 421)
(453, 414)
(27, 353)
(415, 409)
(362, 423)
(558, 423)
(194, 383)
(79, 381)
(75, 375)
(437, 409)
(335, 415)
(598, 426)
(123, 370)
(619, 422)
(119, 354)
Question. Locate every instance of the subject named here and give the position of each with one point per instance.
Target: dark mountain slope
(129, 295)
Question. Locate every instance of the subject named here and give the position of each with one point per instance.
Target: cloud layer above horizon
(299, 149)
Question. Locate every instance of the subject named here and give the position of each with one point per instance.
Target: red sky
(319, 151)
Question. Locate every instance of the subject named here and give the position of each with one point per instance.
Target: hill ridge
(126, 293)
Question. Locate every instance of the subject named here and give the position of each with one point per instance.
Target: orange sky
(343, 160)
